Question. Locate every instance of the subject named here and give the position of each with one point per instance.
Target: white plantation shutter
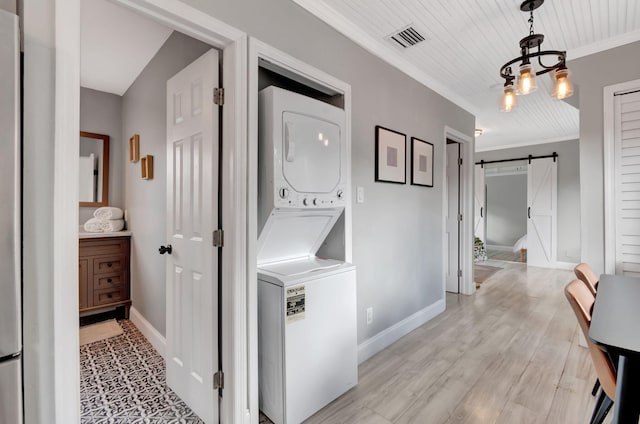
(627, 183)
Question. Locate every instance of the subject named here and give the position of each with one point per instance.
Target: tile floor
(122, 380)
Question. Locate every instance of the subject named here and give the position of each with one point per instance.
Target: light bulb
(562, 88)
(508, 99)
(526, 79)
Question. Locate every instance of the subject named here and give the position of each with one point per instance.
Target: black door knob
(165, 249)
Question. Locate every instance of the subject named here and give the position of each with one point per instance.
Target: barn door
(542, 188)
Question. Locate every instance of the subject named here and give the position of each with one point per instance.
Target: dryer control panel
(285, 196)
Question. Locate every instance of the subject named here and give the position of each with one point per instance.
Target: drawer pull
(109, 280)
(109, 295)
(109, 264)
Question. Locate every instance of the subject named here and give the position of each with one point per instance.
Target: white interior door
(627, 183)
(542, 194)
(192, 216)
(452, 235)
(480, 205)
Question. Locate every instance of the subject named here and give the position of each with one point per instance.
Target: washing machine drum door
(311, 161)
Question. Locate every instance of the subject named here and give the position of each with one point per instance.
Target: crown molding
(343, 25)
(572, 137)
(602, 45)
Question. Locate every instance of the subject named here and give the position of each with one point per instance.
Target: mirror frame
(105, 169)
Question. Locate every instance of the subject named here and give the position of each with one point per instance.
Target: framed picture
(421, 162)
(391, 156)
(134, 148)
(146, 166)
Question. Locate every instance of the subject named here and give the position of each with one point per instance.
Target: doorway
(156, 105)
(506, 207)
(521, 209)
(453, 216)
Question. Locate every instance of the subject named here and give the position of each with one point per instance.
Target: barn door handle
(529, 212)
(165, 249)
(481, 208)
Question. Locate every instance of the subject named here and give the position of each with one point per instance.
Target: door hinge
(459, 273)
(460, 161)
(459, 217)
(218, 96)
(218, 238)
(218, 380)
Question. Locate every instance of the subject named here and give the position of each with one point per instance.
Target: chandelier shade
(531, 65)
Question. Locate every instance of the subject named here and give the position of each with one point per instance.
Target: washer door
(311, 153)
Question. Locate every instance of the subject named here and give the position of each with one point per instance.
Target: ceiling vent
(406, 37)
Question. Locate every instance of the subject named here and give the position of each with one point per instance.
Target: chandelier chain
(531, 23)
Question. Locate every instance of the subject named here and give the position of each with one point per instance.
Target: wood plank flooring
(508, 354)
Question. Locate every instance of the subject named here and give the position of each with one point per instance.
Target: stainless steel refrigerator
(11, 411)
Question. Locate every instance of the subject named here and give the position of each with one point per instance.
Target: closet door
(542, 193)
(627, 183)
(480, 205)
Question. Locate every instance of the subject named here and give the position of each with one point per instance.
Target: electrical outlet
(369, 315)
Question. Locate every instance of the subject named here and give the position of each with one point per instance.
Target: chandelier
(531, 51)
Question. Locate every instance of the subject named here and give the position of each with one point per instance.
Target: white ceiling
(467, 41)
(116, 44)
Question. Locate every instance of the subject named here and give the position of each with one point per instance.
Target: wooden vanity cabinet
(104, 273)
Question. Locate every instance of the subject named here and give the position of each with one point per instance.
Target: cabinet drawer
(101, 247)
(106, 296)
(108, 280)
(108, 264)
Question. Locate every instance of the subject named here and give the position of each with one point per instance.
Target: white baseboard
(501, 248)
(157, 340)
(569, 266)
(387, 337)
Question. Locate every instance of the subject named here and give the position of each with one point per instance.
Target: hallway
(507, 354)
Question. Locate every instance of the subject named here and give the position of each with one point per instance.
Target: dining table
(615, 327)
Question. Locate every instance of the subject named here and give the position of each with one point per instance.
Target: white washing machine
(307, 334)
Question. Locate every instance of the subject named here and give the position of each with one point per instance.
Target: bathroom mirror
(94, 169)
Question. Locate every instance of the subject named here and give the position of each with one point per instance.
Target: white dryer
(302, 153)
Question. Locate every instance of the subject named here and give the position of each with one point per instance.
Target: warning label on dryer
(295, 303)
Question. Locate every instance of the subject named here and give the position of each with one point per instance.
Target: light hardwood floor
(508, 354)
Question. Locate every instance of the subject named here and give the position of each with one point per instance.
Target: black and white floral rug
(123, 380)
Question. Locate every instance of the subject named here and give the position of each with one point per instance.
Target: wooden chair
(581, 300)
(585, 274)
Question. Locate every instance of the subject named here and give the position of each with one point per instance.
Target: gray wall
(569, 195)
(144, 113)
(593, 73)
(9, 5)
(397, 232)
(506, 209)
(101, 113)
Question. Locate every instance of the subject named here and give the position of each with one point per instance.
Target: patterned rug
(123, 380)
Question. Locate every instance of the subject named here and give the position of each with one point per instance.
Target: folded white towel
(109, 212)
(94, 225)
(111, 225)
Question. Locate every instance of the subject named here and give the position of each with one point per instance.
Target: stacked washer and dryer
(307, 332)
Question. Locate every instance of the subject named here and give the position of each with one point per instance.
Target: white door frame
(609, 173)
(260, 50)
(467, 146)
(51, 310)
